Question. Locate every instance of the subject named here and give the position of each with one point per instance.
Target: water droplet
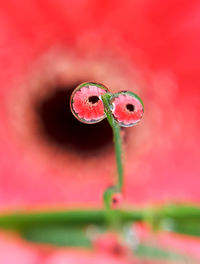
(130, 236)
(127, 109)
(116, 200)
(86, 104)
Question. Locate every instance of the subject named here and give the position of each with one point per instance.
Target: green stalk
(116, 138)
(118, 153)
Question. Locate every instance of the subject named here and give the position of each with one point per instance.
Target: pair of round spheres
(87, 106)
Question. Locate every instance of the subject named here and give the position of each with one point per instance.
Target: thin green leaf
(57, 235)
(151, 252)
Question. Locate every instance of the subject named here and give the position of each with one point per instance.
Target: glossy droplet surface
(86, 104)
(116, 200)
(127, 108)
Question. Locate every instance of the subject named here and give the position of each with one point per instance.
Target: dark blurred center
(93, 99)
(61, 128)
(130, 107)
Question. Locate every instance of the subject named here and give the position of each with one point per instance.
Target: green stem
(116, 137)
(71, 217)
(179, 213)
(118, 153)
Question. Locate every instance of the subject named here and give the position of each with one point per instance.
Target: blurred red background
(48, 160)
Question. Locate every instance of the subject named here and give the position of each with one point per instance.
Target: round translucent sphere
(127, 108)
(86, 104)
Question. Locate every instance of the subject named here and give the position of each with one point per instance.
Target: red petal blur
(148, 47)
(155, 47)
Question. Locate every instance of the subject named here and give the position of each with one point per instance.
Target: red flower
(143, 47)
(86, 104)
(127, 108)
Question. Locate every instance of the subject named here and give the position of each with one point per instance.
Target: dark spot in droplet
(93, 99)
(130, 107)
(58, 126)
(114, 200)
